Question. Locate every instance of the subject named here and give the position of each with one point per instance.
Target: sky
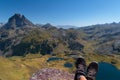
(63, 12)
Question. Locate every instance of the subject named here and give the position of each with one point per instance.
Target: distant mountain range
(1, 24)
(67, 26)
(105, 36)
(19, 36)
(59, 26)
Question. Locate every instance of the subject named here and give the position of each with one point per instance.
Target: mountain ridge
(17, 21)
(26, 49)
(103, 39)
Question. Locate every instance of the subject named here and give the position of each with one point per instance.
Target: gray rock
(17, 21)
(52, 74)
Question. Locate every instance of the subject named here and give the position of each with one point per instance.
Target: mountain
(67, 26)
(28, 47)
(18, 21)
(19, 37)
(105, 36)
(13, 32)
(48, 26)
(1, 24)
(59, 26)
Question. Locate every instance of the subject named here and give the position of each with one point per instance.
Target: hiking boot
(81, 68)
(92, 71)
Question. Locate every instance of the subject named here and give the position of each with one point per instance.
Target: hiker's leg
(82, 78)
(81, 67)
(92, 71)
(79, 77)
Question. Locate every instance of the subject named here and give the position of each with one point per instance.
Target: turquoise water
(108, 72)
(54, 58)
(68, 65)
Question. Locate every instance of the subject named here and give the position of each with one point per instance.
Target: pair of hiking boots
(89, 72)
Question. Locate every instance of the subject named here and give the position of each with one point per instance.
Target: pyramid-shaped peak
(17, 16)
(47, 25)
(18, 20)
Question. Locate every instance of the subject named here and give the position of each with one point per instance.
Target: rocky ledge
(52, 74)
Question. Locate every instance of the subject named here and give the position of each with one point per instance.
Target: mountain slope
(20, 36)
(1, 24)
(16, 21)
(105, 37)
(29, 47)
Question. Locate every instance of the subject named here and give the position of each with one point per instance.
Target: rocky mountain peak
(17, 21)
(48, 26)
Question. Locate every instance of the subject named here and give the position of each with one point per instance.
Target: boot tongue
(81, 67)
